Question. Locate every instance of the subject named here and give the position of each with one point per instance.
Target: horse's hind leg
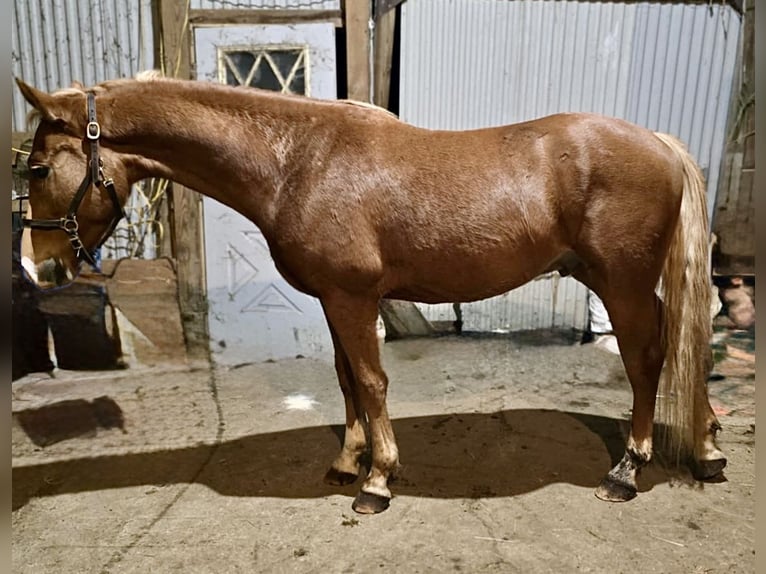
(353, 319)
(708, 461)
(636, 322)
(345, 467)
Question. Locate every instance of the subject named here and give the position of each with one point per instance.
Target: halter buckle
(93, 131)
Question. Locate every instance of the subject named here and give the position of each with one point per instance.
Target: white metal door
(254, 315)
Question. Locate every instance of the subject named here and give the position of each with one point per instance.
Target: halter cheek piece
(95, 176)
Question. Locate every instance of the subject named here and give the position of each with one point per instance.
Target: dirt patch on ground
(502, 440)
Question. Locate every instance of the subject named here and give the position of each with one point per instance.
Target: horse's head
(76, 190)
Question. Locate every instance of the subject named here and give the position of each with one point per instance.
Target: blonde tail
(686, 285)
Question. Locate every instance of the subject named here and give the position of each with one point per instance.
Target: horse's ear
(59, 108)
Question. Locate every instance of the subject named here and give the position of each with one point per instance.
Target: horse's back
(463, 215)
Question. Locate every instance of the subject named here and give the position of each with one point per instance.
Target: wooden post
(384, 49)
(401, 318)
(173, 55)
(357, 17)
(734, 214)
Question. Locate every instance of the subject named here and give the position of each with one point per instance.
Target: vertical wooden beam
(173, 56)
(748, 73)
(384, 49)
(734, 213)
(165, 243)
(401, 318)
(174, 45)
(357, 16)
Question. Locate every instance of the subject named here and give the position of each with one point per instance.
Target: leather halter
(95, 176)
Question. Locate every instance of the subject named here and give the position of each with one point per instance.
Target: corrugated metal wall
(475, 63)
(55, 42)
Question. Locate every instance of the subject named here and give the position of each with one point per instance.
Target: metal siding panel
(75, 49)
(18, 40)
(50, 49)
(565, 94)
(120, 37)
(84, 26)
(94, 33)
(622, 33)
(474, 63)
(55, 43)
(541, 80)
(552, 23)
(60, 41)
(703, 69)
(692, 74)
(580, 65)
(38, 55)
(680, 79)
(694, 51)
(672, 68)
(63, 39)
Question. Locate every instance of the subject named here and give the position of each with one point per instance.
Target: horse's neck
(227, 146)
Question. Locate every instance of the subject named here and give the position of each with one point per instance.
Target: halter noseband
(95, 176)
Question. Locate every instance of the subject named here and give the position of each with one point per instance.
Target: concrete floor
(503, 440)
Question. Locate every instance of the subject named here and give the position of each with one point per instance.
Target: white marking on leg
(644, 448)
(29, 266)
(354, 444)
(710, 450)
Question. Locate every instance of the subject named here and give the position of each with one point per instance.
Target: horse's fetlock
(639, 458)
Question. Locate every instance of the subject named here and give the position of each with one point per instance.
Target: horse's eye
(39, 171)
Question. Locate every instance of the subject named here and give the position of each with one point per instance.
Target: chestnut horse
(357, 205)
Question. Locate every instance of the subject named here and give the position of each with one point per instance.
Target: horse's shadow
(460, 455)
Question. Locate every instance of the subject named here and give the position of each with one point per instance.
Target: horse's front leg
(353, 320)
(345, 467)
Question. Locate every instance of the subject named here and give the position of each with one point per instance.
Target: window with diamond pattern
(282, 69)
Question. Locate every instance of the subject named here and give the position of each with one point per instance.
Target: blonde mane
(150, 75)
(34, 117)
(368, 105)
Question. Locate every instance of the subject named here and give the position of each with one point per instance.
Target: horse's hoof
(707, 469)
(368, 503)
(613, 491)
(339, 478)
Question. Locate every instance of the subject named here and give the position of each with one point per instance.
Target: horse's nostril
(53, 271)
(46, 271)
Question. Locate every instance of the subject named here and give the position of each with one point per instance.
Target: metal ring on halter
(69, 224)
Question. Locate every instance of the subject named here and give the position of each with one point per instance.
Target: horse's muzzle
(48, 274)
